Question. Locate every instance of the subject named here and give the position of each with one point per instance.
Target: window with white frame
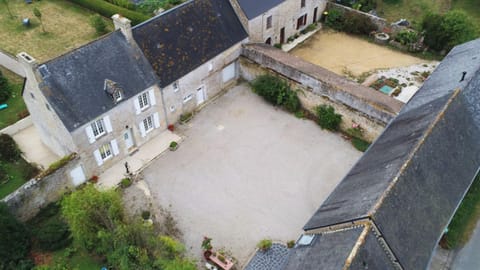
(148, 123)
(98, 128)
(105, 151)
(117, 95)
(143, 101)
(175, 87)
(269, 22)
(187, 98)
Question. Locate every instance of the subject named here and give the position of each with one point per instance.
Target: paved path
(247, 171)
(468, 258)
(33, 148)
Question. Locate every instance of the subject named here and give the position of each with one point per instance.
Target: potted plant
(173, 146)
(207, 247)
(171, 127)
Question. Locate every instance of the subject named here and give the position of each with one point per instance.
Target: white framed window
(187, 98)
(143, 101)
(117, 95)
(98, 128)
(149, 123)
(269, 22)
(175, 87)
(105, 151)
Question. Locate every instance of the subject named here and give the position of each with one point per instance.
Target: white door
(200, 95)
(228, 73)
(77, 175)
(127, 136)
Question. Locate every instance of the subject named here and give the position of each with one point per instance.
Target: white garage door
(77, 175)
(228, 72)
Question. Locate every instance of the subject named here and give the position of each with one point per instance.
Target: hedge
(107, 9)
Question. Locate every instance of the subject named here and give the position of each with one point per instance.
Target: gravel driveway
(247, 171)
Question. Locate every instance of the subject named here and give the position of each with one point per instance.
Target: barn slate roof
(178, 41)
(74, 82)
(254, 8)
(413, 177)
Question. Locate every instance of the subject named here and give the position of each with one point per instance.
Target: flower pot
(207, 254)
(171, 127)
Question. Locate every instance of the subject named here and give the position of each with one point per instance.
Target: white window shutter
(108, 125)
(142, 129)
(151, 94)
(98, 158)
(89, 131)
(156, 120)
(114, 145)
(137, 105)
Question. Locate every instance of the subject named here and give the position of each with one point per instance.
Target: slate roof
(413, 177)
(74, 83)
(183, 38)
(254, 8)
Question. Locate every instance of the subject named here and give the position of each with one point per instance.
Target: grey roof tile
(253, 8)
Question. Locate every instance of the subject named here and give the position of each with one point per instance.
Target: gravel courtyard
(247, 171)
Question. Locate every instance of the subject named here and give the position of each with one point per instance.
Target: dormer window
(113, 90)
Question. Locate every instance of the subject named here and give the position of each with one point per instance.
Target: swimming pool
(386, 89)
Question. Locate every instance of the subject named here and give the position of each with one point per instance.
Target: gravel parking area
(247, 171)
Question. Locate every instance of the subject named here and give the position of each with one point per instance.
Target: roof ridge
(166, 12)
(418, 145)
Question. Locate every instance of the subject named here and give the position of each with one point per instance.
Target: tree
(5, 88)
(14, 240)
(9, 150)
(99, 24)
(443, 32)
(38, 14)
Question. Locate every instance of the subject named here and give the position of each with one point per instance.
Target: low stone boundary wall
(10, 62)
(18, 126)
(356, 103)
(27, 200)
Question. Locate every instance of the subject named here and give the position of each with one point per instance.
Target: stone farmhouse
(274, 21)
(107, 98)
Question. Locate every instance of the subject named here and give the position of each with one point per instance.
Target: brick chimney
(124, 25)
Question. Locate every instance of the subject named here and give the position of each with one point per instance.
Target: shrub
(173, 144)
(277, 45)
(9, 150)
(291, 243)
(107, 9)
(145, 214)
(57, 165)
(185, 117)
(277, 92)
(327, 118)
(358, 24)
(335, 19)
(407, 37)
(126, 182)
(360, 144)
(52, 235)
(5, 88)
(265, 244)
(99, 24)
(23, 113)
(14, 239)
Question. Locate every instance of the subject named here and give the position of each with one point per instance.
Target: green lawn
(15, 103)
(19, 173)
(67, 27)
(415, 10)
(463, 223)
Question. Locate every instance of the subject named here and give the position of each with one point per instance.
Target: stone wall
(28, 199)
(10, 62)
(18, 126)
(357, 104)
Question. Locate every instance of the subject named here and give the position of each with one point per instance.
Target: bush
(173, 144)
(360, 144)
(327, 118)
(335, 19)
(407, 37)
(14, 240)
(358, 24)
(9, 150)
(145, 214)
(99, 24)
(57, 165)
(185, 117)
(108, 10)
(5, 88)
(291, 243)
(276, 91)
(265, 244)
(443, 32)
(52, 235)
(126, 182)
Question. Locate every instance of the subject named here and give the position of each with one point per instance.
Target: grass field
(66, 24)
(18, 173)
(15, 103)
(414, 10)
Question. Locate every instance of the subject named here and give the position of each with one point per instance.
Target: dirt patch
(342, 54)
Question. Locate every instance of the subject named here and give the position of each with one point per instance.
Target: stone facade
(284, 16)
